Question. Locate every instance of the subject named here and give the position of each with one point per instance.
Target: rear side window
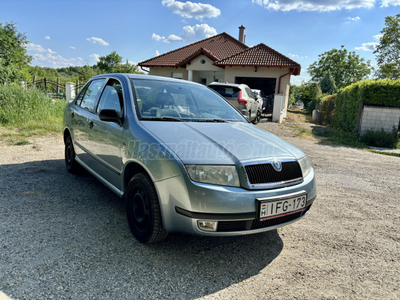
(250, 93)
(226, 91)
(89, 97)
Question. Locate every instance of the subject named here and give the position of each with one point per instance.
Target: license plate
(273, 208)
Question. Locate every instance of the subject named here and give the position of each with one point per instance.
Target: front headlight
(305, 165)
(220, 175)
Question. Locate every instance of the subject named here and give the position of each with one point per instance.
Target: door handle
(90, 124)
(72, 115)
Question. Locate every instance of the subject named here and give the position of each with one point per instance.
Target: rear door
(82, 118)
(105, 138)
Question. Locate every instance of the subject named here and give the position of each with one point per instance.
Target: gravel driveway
(64, 236)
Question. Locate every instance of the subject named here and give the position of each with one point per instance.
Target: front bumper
(184, 203)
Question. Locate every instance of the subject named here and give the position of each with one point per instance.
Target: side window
(89, 99)
(112, 97)
(250, 93)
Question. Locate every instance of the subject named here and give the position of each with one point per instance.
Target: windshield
(174, 101)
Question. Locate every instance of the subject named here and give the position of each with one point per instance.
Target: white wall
(196, 64)
(377, 118)
(167, 72)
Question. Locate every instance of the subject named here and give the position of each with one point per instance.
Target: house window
(177, 75)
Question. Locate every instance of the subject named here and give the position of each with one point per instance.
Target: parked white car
(241, 97)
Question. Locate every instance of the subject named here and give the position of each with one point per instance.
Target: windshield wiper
(162, 119)
(212, 120)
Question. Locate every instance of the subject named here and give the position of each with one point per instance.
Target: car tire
(143, 210)
(257, 118)
(70, 163)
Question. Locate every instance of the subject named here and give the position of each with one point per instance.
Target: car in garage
(184, 159)
(261, 99)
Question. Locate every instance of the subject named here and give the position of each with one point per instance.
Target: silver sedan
(184, 159)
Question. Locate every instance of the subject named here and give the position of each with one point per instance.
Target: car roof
(145, 76)
(228, 84)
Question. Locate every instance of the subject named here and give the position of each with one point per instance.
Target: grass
(18, 142)
(28, 112)
(386, 153)
(342, 138)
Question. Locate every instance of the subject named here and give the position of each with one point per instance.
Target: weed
(342, 138)
(381, 138)
(19, 142)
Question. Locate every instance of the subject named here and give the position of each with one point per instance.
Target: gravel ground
(64, 236)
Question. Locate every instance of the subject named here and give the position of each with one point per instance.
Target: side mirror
(110, 115)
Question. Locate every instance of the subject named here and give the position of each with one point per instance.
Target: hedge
(370, 92)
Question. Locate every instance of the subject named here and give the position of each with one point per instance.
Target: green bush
(326, 107)
(380, 138)
(30, 109)
(369, 92)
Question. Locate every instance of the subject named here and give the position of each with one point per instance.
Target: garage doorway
(267, 85)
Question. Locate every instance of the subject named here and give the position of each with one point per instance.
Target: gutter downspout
(280, 78)
(141, 67)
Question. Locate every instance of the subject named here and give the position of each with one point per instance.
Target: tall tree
(13, 56)
(346, 67)
(108, 63)
(127, 68)
(327, 84)
(388, 50)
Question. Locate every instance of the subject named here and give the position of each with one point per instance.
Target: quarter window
(112, 97)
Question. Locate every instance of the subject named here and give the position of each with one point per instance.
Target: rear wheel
(143, 210)
(70, 163)
(257, 118)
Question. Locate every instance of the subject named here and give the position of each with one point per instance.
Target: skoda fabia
(184, 159)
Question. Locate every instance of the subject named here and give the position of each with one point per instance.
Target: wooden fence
(54, 87)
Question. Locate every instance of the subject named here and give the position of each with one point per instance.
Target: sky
(75, 33)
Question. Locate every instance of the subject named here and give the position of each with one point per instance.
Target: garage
(267, 85)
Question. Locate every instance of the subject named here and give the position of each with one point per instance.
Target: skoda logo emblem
(277, 165)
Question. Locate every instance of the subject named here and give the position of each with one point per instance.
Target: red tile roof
(216, 47)
(224, 50)
(260, 56)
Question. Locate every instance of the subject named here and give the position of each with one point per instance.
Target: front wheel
(143, 210)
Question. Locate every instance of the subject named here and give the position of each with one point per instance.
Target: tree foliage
(388, 50)
(327, 84)
(346, 67)
(108, 63)
(13, 56)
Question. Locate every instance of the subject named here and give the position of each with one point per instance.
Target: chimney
(242, 37)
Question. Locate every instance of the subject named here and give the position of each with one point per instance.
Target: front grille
(224, 226)
(266, 174)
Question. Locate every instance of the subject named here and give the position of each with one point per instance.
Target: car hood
(221, 143)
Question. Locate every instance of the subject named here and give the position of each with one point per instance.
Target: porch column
(190, 75)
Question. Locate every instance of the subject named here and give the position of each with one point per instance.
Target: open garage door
(267, 85)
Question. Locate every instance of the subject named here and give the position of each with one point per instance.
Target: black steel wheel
(70, 163)
(143, 210)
